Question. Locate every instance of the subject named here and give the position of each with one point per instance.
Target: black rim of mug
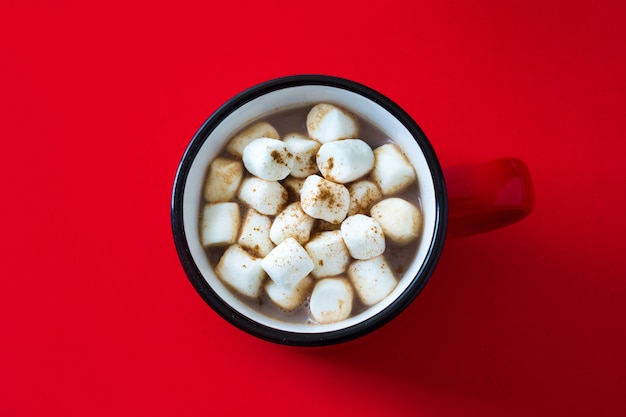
(292, 338)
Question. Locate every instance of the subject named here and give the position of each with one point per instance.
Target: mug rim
(260, 330)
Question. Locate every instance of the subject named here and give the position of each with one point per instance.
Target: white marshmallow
(223, 180)
(401, 221)
(288, 299)
(363, 236)
(220, 224)
(323, 199)
(266, 197)
(362, 195)
(331, 300)
(392, 170)
(255, 233)
(373, 279)
(324, 226)
(292, 222)
(268, 159)
(304, 151)
(326, 122)
(241, 271)
(329, 254)
(293, 185)
(345, 160)
(288, 263)
(258, 130)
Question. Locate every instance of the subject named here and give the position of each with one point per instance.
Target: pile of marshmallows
(327, 170)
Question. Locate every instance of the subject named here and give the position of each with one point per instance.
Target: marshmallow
(326, 123)
(392, 170)
(255, 233)
(288, 299)
(241, 140)
(331, 300)
(363, 236)
(323, 199)
(241, 271)
(329, 254)
(266, 197)
(324, 226)
(345, 160)
(304, 151)
(220, 224)
(293, 185)
(288, 263)
(223, 180)
(268, 159)
(362, 195)
(401, 221)
(292, 222)
(373, 279)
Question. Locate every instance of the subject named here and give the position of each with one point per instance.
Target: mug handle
(487, 196)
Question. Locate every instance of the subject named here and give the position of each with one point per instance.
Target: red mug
(455, 202)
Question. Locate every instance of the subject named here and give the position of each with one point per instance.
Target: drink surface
(292, 121)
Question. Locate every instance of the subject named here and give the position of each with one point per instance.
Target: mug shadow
(452, 339)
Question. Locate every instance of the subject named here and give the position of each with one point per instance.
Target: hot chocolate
(310, 204)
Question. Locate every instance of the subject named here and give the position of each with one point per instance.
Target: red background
(98, 102)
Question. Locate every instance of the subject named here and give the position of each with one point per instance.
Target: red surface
(98, 104)
(485, 196)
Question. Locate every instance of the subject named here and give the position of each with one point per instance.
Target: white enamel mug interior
(268, 98)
